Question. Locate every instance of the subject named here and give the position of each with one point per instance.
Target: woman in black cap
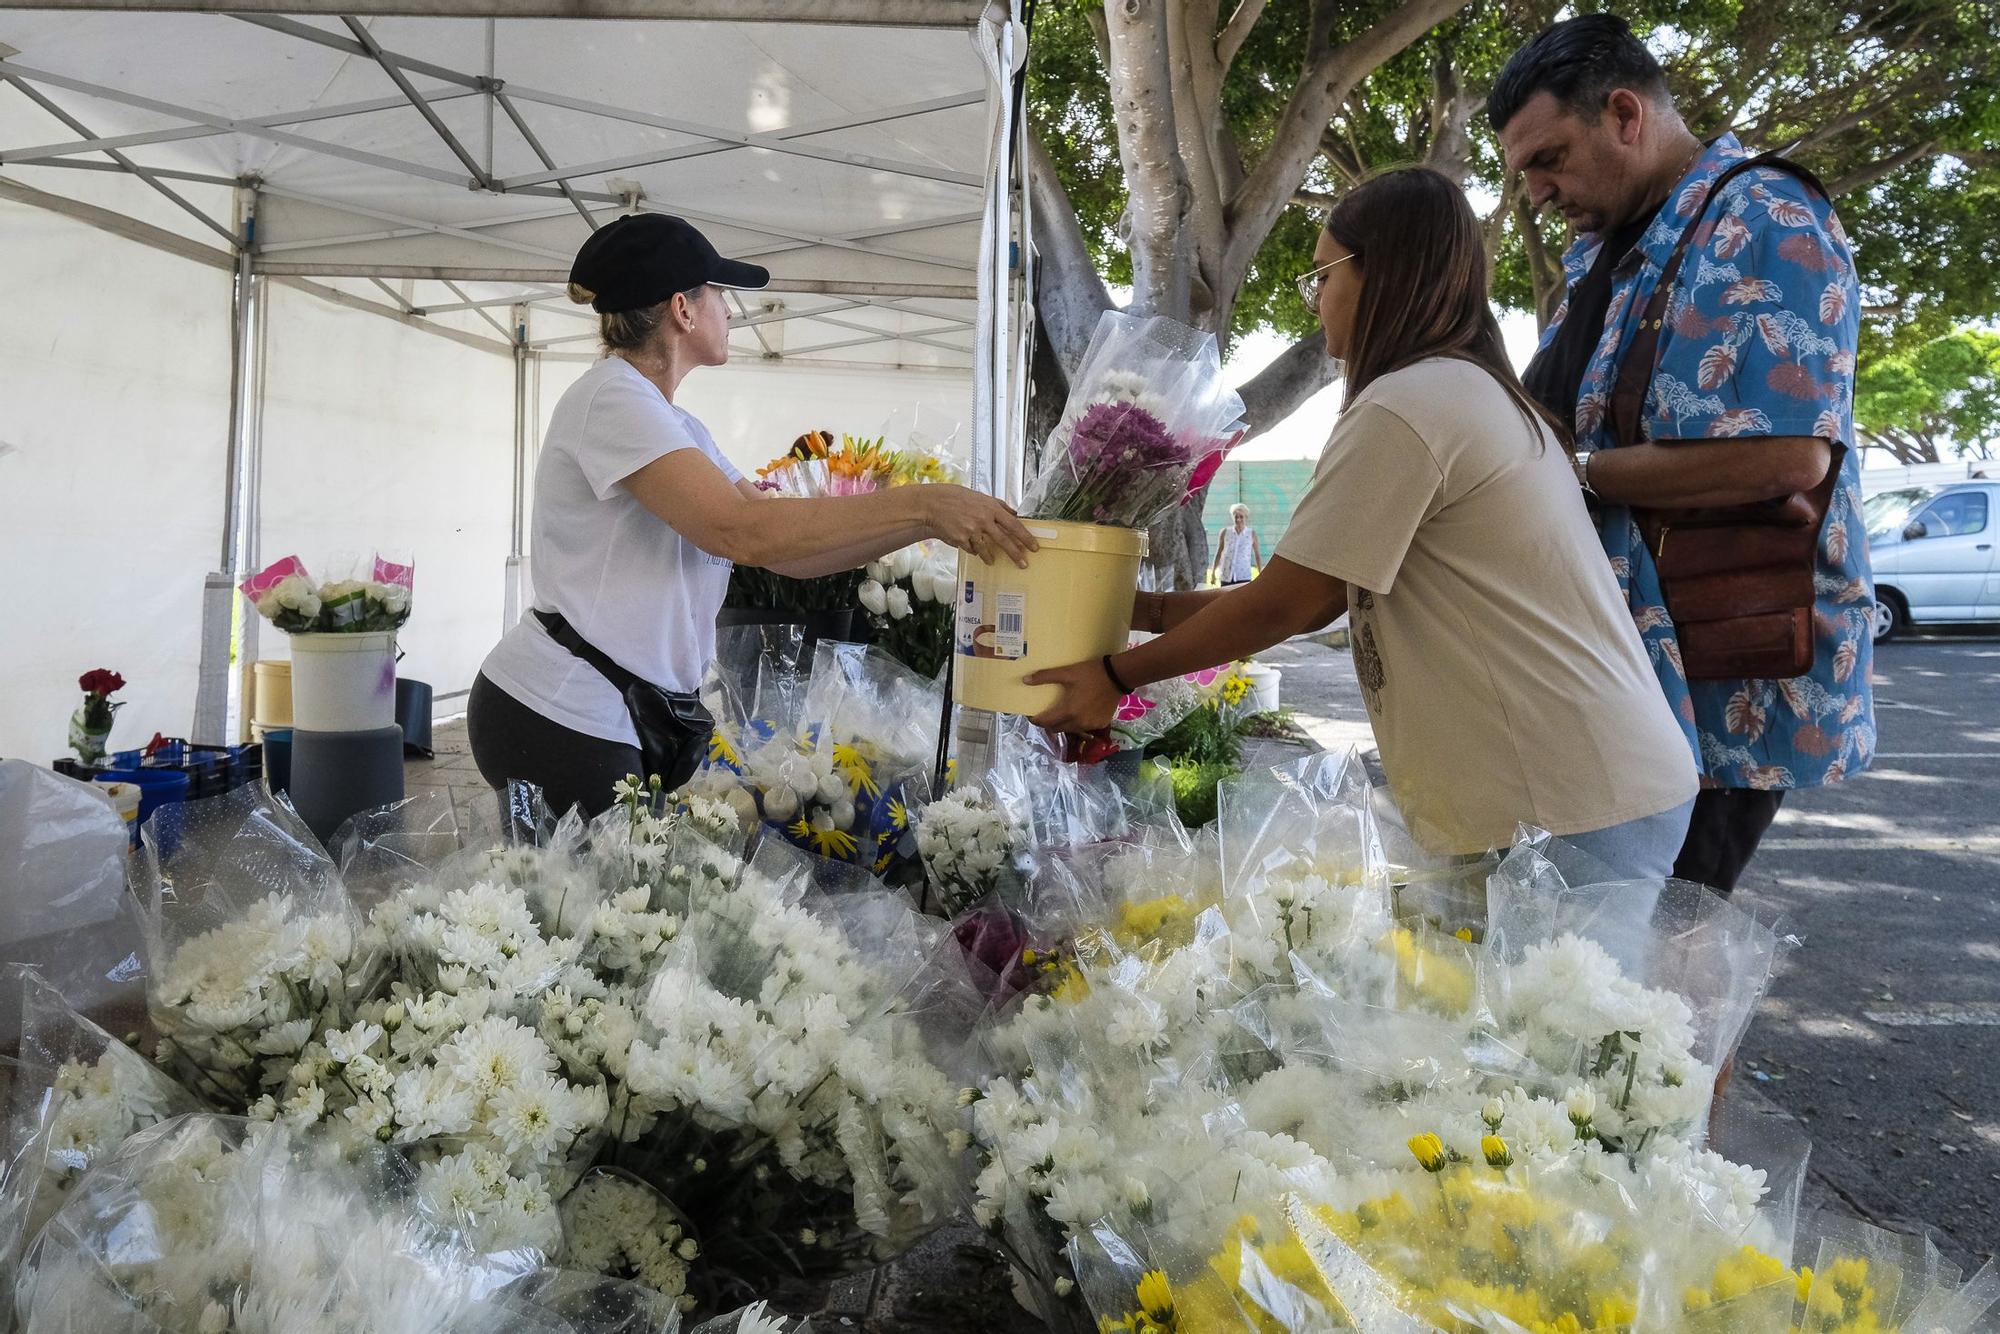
(638, 518)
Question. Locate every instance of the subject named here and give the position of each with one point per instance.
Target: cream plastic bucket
(344, 682)
(1074, 601)
(271, 693)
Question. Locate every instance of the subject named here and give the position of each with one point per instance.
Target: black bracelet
(1123, 689)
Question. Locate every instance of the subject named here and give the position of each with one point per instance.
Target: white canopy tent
(440, 169)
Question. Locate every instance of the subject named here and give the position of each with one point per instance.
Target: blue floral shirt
(1760, 341)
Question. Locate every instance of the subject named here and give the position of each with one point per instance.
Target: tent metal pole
(218, 605)
(41, 100)
(234, 126)
(517, 540)
(409, 90)
(42, 153)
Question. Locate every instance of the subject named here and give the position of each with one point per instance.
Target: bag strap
(565, 634)
(1636, 364)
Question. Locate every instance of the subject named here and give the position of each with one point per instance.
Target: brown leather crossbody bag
(1738, 579)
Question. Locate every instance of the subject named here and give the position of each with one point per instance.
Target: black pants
(511, 742)
(1722, 837)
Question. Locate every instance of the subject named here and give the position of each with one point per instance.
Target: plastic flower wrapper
(1061, 805)
(1144, 717)
(837, 772)
(1314, 817)
(1640, 990)
(971, 850)
(1246, 1274)
(213, 1224)
(378, 851)
(1954, 1310)
(756, 1318)
(1147, 407)
(774, 1088)
(286, 594)
(1578, 1241)
(250, 943)
(1864, 1278)
(79, 1093)
(616, 1225)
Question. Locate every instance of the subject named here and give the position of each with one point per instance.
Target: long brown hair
(1423, 286)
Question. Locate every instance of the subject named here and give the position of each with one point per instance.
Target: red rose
(103, 681)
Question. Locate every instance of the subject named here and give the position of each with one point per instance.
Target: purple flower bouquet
(1148, 411)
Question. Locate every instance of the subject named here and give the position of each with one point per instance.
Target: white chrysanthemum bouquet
(971, 848)
(218, 1225)
(1270, 1017)
(627, 1049)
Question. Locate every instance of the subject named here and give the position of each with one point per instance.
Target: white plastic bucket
(344, 682)
(124, 798)
(1074, 601)
(1263, 687)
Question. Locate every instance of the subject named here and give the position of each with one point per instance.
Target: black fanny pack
(673, 727)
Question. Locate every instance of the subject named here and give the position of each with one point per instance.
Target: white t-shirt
(629, 584)
(1503, 674)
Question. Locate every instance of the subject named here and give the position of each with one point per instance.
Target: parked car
(1934, 555)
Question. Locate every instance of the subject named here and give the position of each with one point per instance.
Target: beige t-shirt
(1504, 676)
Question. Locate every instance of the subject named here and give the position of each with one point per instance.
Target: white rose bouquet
(908, 597)
(285, 594)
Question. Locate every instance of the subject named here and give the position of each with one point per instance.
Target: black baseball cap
(642, 259)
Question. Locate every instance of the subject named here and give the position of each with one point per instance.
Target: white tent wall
(755, 409)
(380, 437)
(419, 426)
(114, 391)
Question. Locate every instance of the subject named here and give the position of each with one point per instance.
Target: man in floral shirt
(1752, 392)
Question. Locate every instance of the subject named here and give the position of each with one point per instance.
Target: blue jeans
(1642, 849)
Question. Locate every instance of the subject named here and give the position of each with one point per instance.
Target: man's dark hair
(1580, 62)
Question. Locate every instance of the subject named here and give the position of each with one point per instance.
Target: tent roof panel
(847, 160)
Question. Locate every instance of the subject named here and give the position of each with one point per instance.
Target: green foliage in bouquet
(1194, 784)
(753, 587)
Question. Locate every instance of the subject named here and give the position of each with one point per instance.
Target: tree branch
(1863, 177)
(1274, 393)
(1094, 16)
(1197, 95)
(1331, 73)
(1451, 114)
(1156, 185)
(1234, 33)
(1070, 294)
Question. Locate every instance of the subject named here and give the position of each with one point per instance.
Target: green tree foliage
(1892, 102)
(1936, 397)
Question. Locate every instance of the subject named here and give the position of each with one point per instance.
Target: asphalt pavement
(1882, 1033)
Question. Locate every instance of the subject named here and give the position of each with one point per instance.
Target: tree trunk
(1545, 268)
(1149, 152)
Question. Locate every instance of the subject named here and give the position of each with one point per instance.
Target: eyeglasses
(1309, 284)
